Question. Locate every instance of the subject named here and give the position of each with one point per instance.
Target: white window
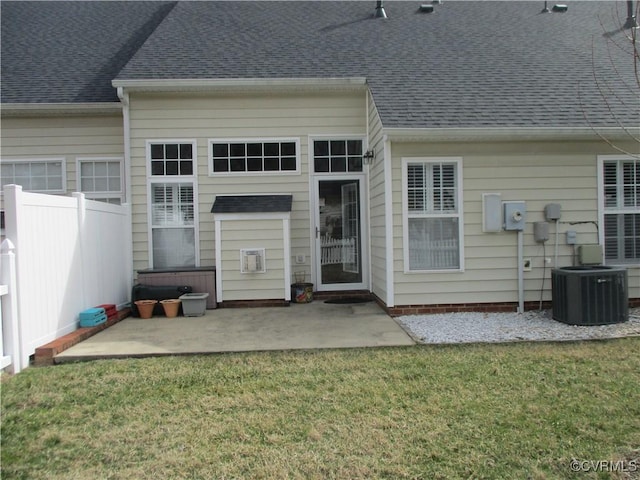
(101, 179)
(337, 156)
(41, 175)
(254, 156)
(619, 187)
(432, 206)
(172, 203)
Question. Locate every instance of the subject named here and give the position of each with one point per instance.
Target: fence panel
(71, 254)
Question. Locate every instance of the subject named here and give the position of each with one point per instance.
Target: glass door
(339, 244)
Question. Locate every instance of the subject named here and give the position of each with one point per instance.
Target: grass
(491, 411)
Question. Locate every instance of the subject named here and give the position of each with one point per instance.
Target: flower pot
(145, 307)
(171, 307)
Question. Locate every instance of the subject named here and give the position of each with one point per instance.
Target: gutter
(97, 108)
(197, 84)
(492, 134)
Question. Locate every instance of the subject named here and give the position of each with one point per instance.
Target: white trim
(212, 83)
(458, 214)
(101, 194)
(491, 134)
(218, 242)
(388, 214)
(286, 235)
(260, 173)
(61, 160)
(252, 216)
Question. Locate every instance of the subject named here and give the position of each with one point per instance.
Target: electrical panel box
(590, 254)
(552, 211)
(541, 231)
(572, 237)
(515, 214)
(491, 212)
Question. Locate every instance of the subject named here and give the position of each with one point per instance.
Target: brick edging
(45, 354)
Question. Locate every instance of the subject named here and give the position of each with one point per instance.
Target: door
(338, 243)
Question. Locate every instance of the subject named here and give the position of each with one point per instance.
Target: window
(46, 175)
(253, 156)
(620, 193)
(171, 158)
(172, 204)
(432, 193)
(101, 179)
(337, 156)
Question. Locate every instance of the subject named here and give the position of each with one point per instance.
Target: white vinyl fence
(61, 255)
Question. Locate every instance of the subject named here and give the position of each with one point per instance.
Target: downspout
(126, 123)
(388, 213)
(126, 120)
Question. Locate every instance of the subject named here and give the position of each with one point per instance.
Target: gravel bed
(535, 325)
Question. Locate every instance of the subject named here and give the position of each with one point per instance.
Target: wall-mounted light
(368, 157)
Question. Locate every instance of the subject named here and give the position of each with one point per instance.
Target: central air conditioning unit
(590, 295)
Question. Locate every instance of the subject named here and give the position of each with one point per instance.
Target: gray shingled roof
(252, 203)
(468, 64)
(69, 52)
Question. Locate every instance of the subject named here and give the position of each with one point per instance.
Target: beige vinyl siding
(239, 234)
(204, 117)
(537, 173)
(377, 219)
(67, 137)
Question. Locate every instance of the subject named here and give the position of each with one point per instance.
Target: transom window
(253, 156)
(620, 180)
(46, 175)
(101, 179)
(337, 156)
(171, 158)
(432, 223)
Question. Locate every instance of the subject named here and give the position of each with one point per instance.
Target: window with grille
(620, 183)
(432, 223)
(42, 175)
(172, 203)
(254, 156)
(101, 179)
(337, 156)
(172, 158)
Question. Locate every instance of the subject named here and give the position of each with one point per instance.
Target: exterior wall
(537, 173)
(68, 137)
(239, 234)
(208, 116)
(377, 220)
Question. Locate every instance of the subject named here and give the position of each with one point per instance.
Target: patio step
(44, 355)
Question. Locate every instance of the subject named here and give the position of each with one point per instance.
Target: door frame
(314, 203)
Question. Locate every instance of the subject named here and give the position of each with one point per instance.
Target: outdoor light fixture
(368, 157)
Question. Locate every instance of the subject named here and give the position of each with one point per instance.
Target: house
(319, 142)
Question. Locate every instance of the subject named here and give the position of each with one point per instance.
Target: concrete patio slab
(301, 326)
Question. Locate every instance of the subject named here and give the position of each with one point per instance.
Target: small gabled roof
(252, 204)
(70, 51)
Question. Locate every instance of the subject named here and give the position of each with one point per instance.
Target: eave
(55, 109)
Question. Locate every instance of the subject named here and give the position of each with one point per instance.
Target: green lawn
(474, 411)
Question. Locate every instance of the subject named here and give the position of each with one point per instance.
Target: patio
(299, 326)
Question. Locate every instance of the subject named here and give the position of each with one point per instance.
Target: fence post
(81, 207)
(10, 319)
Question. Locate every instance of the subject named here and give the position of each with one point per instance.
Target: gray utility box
(590, 295)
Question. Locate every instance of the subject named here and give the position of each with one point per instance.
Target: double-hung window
(101, 179)
(172, 203)
(619, 185)
(432, 201)
(41, 175)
